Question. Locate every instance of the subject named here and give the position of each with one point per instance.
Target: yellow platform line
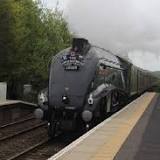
(112, 146)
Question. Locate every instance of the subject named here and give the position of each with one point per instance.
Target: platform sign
(3, 91)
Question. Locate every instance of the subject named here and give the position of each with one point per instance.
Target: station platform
(12, 102)
(7, 102)
(133, 133)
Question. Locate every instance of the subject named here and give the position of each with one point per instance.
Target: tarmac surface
(143, 143)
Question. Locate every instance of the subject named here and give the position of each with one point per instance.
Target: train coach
(87, 82)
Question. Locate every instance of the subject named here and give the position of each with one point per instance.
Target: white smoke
(124, 26)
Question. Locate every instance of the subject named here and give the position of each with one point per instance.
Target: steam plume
(127, 27)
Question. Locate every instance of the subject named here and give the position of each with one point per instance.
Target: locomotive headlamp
(65, 99)
(90, 99)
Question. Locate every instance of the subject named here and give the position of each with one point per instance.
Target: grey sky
(124, 26)
(52, 3)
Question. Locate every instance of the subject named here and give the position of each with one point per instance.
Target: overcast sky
(127, 27)
(62, 4)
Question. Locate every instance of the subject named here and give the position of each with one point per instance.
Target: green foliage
(5, 37)
(29, 36)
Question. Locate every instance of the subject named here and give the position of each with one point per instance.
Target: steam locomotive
(87, 82)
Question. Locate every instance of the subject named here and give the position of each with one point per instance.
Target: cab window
(106, 74)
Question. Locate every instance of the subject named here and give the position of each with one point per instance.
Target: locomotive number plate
(71, 67)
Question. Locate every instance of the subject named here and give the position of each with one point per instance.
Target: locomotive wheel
(52, 127)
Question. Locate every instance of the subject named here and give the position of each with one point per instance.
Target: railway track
(28, 139)
(45, 148)
(19, 127)
(17, 122)
(17, 136)
(34, 146)
(28, 150)
(15, 111)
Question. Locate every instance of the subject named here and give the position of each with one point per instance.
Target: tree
(35, 34)
(5, 38)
